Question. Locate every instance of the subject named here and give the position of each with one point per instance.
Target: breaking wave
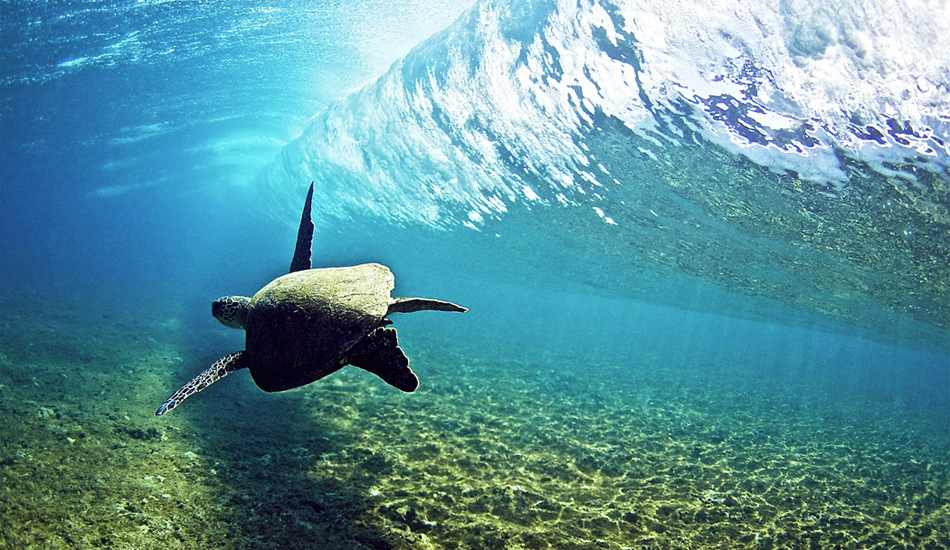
(795, 150)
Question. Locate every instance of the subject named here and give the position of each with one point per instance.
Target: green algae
(543, 451)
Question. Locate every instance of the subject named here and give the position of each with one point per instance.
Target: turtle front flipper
(221, 368)
(380, 354)
(301, 261)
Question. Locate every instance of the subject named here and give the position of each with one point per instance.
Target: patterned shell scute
(301, 325)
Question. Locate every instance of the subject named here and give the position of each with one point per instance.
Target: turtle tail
(221, 368)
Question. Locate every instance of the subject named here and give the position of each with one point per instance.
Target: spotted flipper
(301, 259)
(221, 368)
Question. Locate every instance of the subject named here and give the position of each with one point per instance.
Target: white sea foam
(498, 109)
(828, 63)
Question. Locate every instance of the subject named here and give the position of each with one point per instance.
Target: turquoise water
(703, 248)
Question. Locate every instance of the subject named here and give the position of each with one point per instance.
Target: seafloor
(493, 451)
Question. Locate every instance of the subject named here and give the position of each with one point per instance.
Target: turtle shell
(300, 326)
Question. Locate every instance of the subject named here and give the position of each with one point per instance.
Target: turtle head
(231, 310)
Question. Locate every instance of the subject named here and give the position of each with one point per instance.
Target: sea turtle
(312, 322)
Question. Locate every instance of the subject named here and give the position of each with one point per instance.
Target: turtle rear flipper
(380, 354)
(409, 305)
(221, 368)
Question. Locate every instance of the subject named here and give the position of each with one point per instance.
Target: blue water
(754, 193)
